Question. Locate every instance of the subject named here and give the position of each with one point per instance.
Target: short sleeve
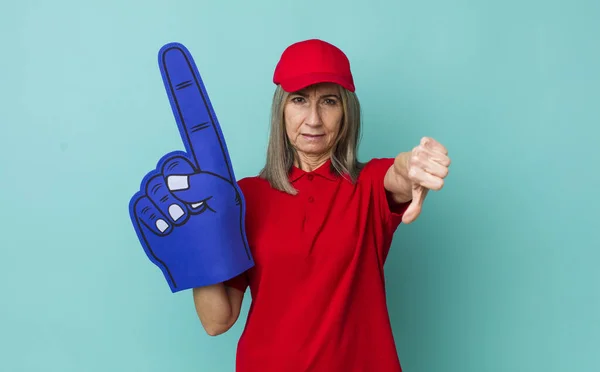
(239, 282)
(391, 212)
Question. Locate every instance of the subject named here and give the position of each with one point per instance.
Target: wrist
(401, 165)
(398, 182)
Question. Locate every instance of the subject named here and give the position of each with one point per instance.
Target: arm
(416, 172)
(396, 180)
(218, 307)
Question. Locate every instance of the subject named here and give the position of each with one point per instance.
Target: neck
(310, 162)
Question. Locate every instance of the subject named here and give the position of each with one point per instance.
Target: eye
(298, 99)
(331, 101)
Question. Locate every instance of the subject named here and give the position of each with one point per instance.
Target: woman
(320, 225)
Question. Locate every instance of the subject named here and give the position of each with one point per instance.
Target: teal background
(500, 273)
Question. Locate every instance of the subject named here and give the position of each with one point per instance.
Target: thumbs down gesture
(422, 169)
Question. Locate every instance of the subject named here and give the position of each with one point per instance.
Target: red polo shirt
(318, 289)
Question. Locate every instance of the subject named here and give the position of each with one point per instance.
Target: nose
(314, 117)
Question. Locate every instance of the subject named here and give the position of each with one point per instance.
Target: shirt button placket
(309, 218)
(311, 198)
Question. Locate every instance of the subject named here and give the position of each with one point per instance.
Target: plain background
(500, 273)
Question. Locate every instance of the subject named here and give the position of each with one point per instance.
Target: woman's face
(313, 117)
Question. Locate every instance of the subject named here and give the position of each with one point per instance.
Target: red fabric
(310, 62)
(318, 290)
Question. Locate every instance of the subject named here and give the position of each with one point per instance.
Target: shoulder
(375, 169)
(252, 183)
(253, 186)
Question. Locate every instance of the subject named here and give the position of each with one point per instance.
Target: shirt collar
(325, 170)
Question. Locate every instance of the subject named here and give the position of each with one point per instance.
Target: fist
(427, 168)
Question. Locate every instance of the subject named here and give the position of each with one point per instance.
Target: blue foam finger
(161, 197)
(193, 111)
(175, 167)
(177, 164)
(150, 216)
(208, 189)
(208, 245)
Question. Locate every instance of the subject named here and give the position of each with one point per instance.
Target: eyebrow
(322, 96)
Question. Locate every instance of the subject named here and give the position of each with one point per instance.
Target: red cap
(310, 62)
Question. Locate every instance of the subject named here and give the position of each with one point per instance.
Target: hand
(427, 167)
(189, 213)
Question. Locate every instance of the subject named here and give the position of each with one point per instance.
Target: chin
(312, 151)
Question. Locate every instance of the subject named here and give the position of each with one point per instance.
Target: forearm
(397, 181)
(216, 308)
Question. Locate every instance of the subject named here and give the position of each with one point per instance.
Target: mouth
(313, 135)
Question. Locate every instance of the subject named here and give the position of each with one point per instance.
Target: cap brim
(301, 82)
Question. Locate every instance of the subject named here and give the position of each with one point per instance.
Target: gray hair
(281, 154)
